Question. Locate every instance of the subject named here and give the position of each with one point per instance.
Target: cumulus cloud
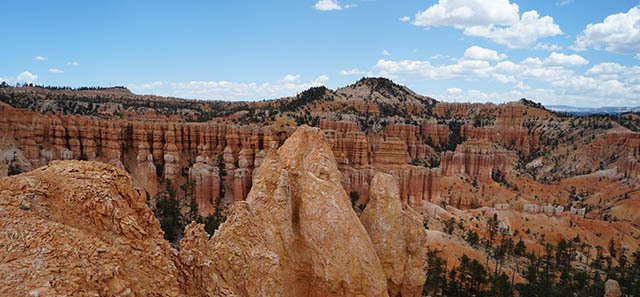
(55, 71)
(530, 28)
(504, 78)
(478, 53)
(289, 85)
(541, 46)
(386, 53)
(290, 78)
(405, 19)
(610, 81)
(73, 63)
(560, 59)
(468, 13)
(425, 70)
(618, 33)
(24, 77)
(326, 5)
(497, 20)
(39, 58)
(27, 77)
(351, 72)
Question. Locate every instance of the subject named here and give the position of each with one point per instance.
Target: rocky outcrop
(478, 159)
(398, 236)
(612, 289)
(296, 233)
(80, 229)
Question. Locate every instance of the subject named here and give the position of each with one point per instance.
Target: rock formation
(80, 229)
(206, 183)
(612, 289)
(398, 236)
(296, 233)
(437, 134)
(478, 159)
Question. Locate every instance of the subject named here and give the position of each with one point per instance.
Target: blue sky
(582, 53)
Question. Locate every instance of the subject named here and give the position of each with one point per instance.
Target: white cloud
(497, 20)
(521, 34)
(564, 2)
(541, 46)
(560, 59)
(605, 81)
(225, 90)
(468, 13)
(504, 78)
(386, 53)
(26, 76)
(289, 78)
(73, 63)
(149, 86)
(326, 5)
(425, 70)
(39, 58)
(351, 72)
(478, 53)
(405, 19)
(618, 33)
(55, 71)
(637, 56)
(454, 91)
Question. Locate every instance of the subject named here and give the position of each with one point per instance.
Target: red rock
(478, 159)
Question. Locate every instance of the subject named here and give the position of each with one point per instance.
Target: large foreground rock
(398, 236)
(77, 228)
(296, 234)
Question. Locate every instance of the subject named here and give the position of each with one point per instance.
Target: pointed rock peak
(398, 236)
(307, 150)
(296, 234)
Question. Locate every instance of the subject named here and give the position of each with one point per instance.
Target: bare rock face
(398, 237)
(439, 134)
(612, 289)
(79, 229)
(206, 182)
(389, 151)
(477, 159)
(296, 234)
(146, 171)
(418, 185)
